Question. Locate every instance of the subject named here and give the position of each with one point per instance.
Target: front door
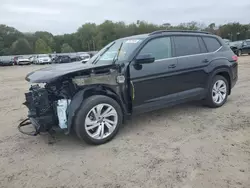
(153, 82)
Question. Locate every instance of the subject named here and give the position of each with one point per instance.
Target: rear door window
(202, 45)
(211, 43)
(186, 45)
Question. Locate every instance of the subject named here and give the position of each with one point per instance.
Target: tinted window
(186, 45)
(202, 45)
(212, 44)
(160, 48)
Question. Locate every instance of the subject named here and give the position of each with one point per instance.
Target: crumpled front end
(45, 111)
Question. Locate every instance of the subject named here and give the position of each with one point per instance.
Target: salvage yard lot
(187, 146)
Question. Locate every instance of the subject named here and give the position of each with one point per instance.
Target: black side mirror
(144, 58)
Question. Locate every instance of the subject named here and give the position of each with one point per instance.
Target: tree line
(92, 37)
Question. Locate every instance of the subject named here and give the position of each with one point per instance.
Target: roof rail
(180, 31)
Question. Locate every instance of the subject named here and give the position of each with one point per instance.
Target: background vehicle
(23, 60)
(245, 47)
(62, 59)
(42, 59)
(6, 61)
(235, 46)
(130, 76)
(85, 58)
(75, 58)
(32, 59)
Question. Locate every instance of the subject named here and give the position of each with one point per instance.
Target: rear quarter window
(212, 43)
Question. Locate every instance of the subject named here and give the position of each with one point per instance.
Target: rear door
(192, 58)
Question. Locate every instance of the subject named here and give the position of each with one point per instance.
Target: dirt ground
(188, 146)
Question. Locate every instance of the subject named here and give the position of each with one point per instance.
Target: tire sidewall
(211, 101)
(86, 106)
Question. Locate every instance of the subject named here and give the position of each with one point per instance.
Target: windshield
(248, 42)
(119, 50)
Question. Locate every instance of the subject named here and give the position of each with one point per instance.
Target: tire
(212, 93)
(86, 112)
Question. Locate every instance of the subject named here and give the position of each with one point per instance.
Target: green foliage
(41, 47)
(21, 46)
(66, 48)
(91, 36)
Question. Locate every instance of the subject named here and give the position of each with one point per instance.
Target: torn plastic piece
(62, 106)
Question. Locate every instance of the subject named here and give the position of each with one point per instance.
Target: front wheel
(98, 119)
(218, 92)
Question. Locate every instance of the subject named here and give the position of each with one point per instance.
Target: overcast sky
(65, 16)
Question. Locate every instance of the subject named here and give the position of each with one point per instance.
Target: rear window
(211, 43)
(186, 45)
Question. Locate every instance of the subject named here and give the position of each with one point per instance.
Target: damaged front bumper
(45, 113)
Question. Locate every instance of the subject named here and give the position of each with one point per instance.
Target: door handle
(172, 66)
(205, 61)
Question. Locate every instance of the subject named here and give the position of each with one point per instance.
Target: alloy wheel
(101, 121)
(219, 91)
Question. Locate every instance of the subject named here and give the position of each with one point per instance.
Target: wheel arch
(226, 74)
(86, 92)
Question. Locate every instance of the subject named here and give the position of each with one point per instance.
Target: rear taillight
(235, 58)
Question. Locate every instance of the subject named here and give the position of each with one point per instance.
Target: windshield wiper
(118, 53)
(98, 57)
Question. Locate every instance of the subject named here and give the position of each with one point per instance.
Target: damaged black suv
(129, 76)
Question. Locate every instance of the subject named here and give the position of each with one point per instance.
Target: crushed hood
(53, 72)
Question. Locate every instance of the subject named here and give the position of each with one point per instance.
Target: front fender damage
(44, 102)
(109, 84)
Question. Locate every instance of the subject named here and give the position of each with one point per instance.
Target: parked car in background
(32, 59)
(245, 47)
(42, 59)
(6, 61)
(235, 46)
(85, 57)
(23, 60)
(62, 59)
(75, 58)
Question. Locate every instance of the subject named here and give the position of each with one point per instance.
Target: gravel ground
(188, 146)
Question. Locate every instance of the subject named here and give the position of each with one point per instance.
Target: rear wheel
(218, 92)
(98, 119)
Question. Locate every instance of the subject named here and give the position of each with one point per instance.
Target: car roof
(168, 32)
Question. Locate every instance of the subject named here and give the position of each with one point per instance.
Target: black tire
(209, 99)
(87, 105)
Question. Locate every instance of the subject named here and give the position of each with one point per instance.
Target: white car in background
(42, 59)
(85, 57)
(22, 60)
